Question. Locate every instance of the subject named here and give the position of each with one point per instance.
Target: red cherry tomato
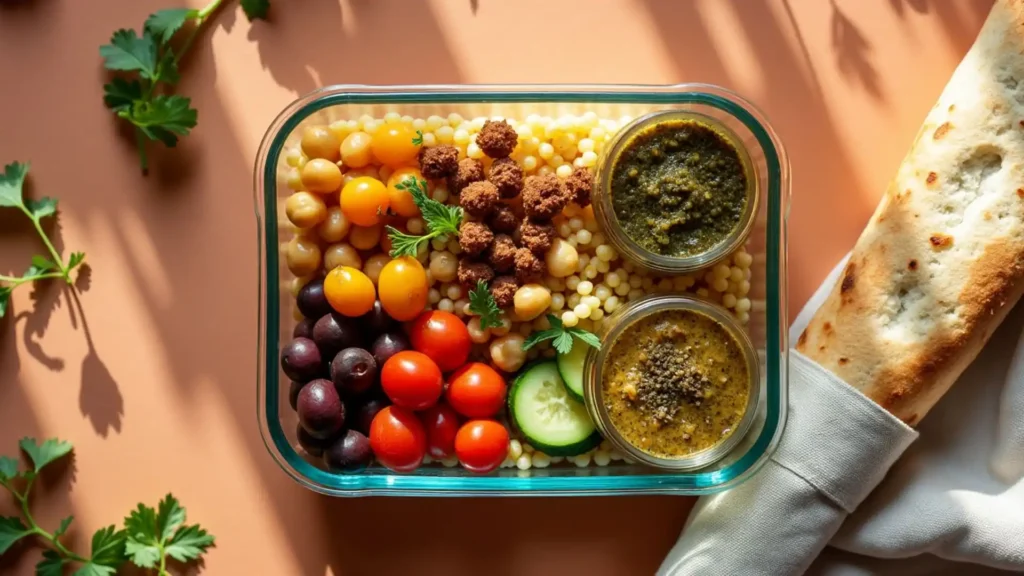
(481, 445)
(442, 336)
(411, 380)
(441, 424)
(398, 439)
(476, 391)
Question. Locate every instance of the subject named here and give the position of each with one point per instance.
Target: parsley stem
(200, 19)
(23, 500)
(53, 251)
(140, 143)
(13, 281)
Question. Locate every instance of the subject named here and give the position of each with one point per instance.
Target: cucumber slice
(570, 366)
(548, 416)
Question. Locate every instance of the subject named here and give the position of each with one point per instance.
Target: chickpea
(369, 171)
(365, 237)
(374, 264)
(506, 326)
(355, 150)
(561, 258)
(335, 226)
(320, 142)
(321, 175)
(507, 352)
(444, 266)
(342, 254)
(531, 300)
(305, 210)
(294, 179)
(302, 256)
(476, 333)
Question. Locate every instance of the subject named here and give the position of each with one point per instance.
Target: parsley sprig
(150, 64)
(481, 303)
(561, 337)
(149, 538)
(12, 195)
(440, 219)
(418, 139)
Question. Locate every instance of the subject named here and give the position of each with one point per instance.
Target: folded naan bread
(942, 259)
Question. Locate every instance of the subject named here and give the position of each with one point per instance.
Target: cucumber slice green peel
(547, 415)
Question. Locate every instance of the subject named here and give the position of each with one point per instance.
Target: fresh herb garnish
(481, 303)
(149, 538)
(12, 185)
(439, 218)
(562, 337)
(418, 139)
(151, 65)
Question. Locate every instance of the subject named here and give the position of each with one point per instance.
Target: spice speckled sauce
(675, 383)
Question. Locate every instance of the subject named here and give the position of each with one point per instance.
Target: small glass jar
(593, 376)
(712, 117)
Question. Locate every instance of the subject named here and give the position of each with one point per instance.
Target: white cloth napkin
(955, 495)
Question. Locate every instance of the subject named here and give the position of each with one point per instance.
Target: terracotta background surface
(150, 371)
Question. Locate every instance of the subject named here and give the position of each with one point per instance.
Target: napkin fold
(956, 495)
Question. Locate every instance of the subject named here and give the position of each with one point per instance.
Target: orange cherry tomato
(364, 201)
(403, 288)
(481, 445)
(392, 145)
(349, 291)
(476, 391)
(401, 200)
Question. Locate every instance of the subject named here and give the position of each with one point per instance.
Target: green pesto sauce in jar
(675, 383)
(679, 188)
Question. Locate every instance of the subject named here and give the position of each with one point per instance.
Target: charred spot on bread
(849, 278)
(942, 131)
(844, 361)
(912, 265)
(940, 241)
(802, 339)
(826, 327)
(1020, 192)
(932, 177)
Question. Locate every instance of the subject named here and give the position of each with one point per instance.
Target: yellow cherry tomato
(392, 145)
(401, 200)
(403, 288)
(364, 201)
(349, 291)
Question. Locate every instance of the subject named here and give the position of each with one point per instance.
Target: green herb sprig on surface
(481, 303)
(440, 219)
(12, 195)
(561, 337)
(150, 64)
(149, 538)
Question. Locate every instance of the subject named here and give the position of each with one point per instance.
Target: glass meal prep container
(766, 328)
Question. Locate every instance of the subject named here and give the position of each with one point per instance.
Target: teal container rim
(424, 484)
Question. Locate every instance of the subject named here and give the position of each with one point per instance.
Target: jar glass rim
(626, 317)
(624, 244)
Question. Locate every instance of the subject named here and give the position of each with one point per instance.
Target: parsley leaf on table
(153, 535)
(440, 219)
(561, 337)
(12, 195)
(481, 303)
(45, 453)
(165, 23)
(150, 62)
(256, 9)
(52, 564)
(11, 530)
